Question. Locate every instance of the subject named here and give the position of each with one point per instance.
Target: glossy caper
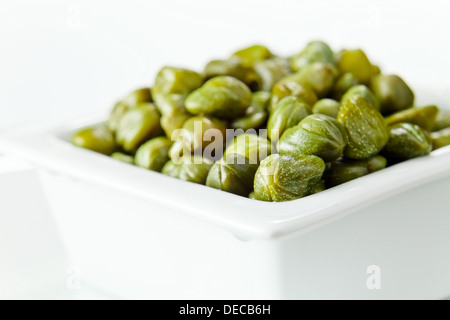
(196, 135)
(252, 195)
(173, 121)
(320, 77)
(252, 146)
(393, 92)
(423, 117)
(442, 120)
(256, 114)
(137, 126)
(123, 157)
(223, 97)
(288, 87)
(169, 104)
(318, 187)
(355, 61)
(153, 154)
(328, 107)
(346, 170)
(362, 91)
(317, 135)
(441, 138)
(99, 139)
(315, 51)
(288, 113)
(366, 128)
(172, 85)
(171, 80)
(271, 71)
(233, 173)
(119, 109)
(137, 97)
(233, 67)
(253, 54)
(133, 99)
(407, 141)
(230, 67)
(284, 178)
(190, 168)
(342, 85)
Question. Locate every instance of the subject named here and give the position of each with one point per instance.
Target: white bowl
(140, 234)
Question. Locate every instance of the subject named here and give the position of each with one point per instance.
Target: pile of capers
(300, 124)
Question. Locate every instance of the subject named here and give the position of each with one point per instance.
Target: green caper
(346, 170)
(365, 126)
(169, 104)
(256, 114)
(252, 146)
(442, 120)
(362, 91)
(173, 121)
(196, 135)
(287, 87)
(423, 117)
(318, 76)
(123, 157)
(289, 112)
(328, 107)
(230, 67)
(318, 187)
(356, 62)
(137, 97)
(271, 71)
(190, 168)
(234, 173)
(133, 99)
(393, 93)
(342, 85)
(172, 86)
(170, 80)
(253, 54)
(316, 51)
(153, 154)
(441, 138)
(284, 178)
(120, 108)
(137, 126)
(223, 97)
(317, 135)
(99, 139)
(233, 67)
(407, 141)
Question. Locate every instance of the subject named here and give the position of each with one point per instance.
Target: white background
(59, 59)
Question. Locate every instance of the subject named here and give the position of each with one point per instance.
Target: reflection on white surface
(33, 262)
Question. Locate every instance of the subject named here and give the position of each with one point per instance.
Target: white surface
(62, 58)
(33, 263)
